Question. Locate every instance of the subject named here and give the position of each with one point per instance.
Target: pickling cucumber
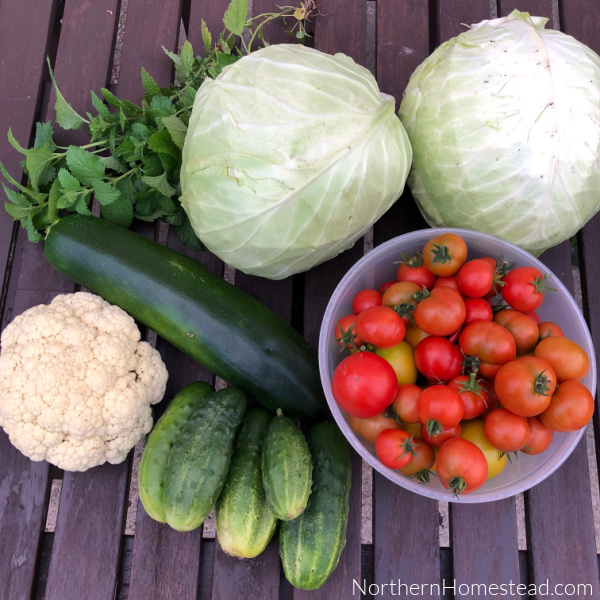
(225, 329)
(286, 468)
(310, 545)
(244, 521)
(199, 461)
(160, 442)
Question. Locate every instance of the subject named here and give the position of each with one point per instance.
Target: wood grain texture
(454, 17)
(405, 540)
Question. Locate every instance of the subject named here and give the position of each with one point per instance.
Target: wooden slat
(24, 30)
(274, 32)
(453, 17)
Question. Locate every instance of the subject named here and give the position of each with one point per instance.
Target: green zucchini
(153, 464)
(286, 468)
(228, 331)
(244, 521)
(310, 545)
(200, 458)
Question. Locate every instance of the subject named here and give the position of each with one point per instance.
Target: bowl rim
(411, 238)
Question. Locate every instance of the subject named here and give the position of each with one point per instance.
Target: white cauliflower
(76, 382)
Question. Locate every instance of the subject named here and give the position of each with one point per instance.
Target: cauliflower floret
(76, 382)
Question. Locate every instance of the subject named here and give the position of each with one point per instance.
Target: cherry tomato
(344, 333)
(445, 254)
(461, 466)
(369, 429)
(488, 341)
(439, 408)
(524, 288)
(568, 359)
(475, 278)
(477, 309)
(413, 269)
(402, 360)
(423, 460)
(540, 438)
(523, 328)
(441, 313)
(533, 315)
(437, 440)
(401, 296)
(505, 430)
(394, 448)
(488, 370)
(571, 407)
(364, 384)
(380, 326)
(472, 393)
(438, 359)
(450, 281)
(365, 299)
(548, 328)
(488, 386)
(525, 386)
(414, 335)
(473, 432)
(405, 403)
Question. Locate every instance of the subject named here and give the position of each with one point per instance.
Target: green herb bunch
(131, 164)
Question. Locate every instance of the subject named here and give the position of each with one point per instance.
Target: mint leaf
(177, 128)
(113, 163)
(149, 84)
(104, 192)
(53, 198)
(160, 184)
(84, 165)
(67, 181)
(43, 134)
(235, 16)
(13, 142)
(66, 116)
(161, 106)
(101, 108)
(38, 162)
(187, 58)
(39, 197)
(15, 197)
(81, 206)
(188, 237)
(17, 212)
(120, 213)
(129, 108)
(127, 189)
(206, 37)
(161, 141)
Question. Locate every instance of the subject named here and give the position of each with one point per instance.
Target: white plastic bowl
(377, 267)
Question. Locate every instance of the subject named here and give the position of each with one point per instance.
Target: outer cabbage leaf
(290, 156)
(504, 122)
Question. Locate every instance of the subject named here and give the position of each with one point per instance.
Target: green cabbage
(290, 156)
(504, 124)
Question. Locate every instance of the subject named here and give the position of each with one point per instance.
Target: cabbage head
(504, 122)
(291, 155)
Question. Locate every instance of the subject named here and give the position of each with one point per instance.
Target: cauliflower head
(76, 382)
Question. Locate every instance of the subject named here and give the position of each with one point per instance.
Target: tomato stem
(434, 427)
(539, 283)
(457, 485)
(440, 253)
(542, 384)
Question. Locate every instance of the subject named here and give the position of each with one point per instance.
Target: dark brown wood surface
(84, 557)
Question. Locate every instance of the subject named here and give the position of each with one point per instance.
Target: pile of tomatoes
(451, 371)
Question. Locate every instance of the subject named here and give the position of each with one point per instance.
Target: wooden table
(88, 554)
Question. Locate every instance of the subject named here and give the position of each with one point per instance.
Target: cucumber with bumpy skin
(229, 332)
(160, 442)
(244, 521)
(200, 458)
(310, 546)
(286, 468)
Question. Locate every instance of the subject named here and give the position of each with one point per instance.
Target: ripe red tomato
(438, 359)
(344, 333)
(523, 328)
(369, 429)
(364, 384)
(423, 460)
(439, 408)
(440, 438)
(441, 313)
(394, 448)
(475, 278)
(568, 359)
(401, 296)
(571, 407)
(385, 286)
(445, 254)
(477, 309)
(533, 315)
(461, 466)
(472, 393)
(505, 430)
(540, 438)
(488, 341)
(451, 281)
(548, 328)
(365, 299)
(405, 403)
(413, 269)
(525, 386)
(524, 288)
(380, 326)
